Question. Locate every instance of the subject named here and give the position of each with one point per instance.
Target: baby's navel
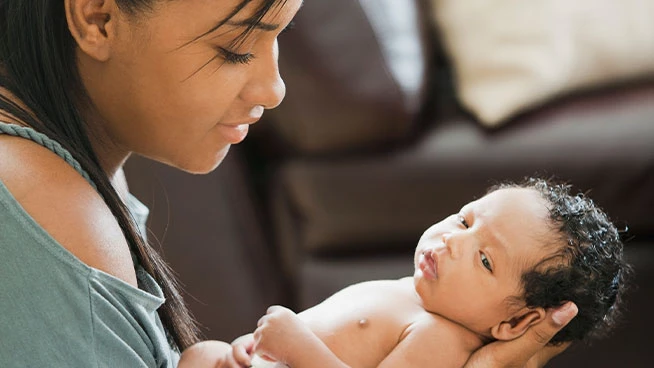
(363, 322)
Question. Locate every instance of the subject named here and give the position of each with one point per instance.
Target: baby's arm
(282, 336)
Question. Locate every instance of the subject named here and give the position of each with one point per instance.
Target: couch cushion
(602, 142)
(354, 72)
(512, 55)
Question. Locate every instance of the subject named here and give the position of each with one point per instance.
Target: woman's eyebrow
(251, 23)
(246, 23)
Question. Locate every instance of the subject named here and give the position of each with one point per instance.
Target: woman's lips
(234, 133)
(428, 264)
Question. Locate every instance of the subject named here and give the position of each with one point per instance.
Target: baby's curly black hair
(588, 269)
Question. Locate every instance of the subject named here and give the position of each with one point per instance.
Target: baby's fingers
(241, 356)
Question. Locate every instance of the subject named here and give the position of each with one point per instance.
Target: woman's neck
(111, 155)
(112, 161)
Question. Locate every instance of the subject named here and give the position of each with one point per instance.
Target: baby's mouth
(429, 263)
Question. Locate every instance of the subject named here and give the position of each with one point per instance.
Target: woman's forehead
(252, 11)
(184, 22)
(247, 15)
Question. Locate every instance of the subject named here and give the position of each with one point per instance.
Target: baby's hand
(279, 333)
(242, 349)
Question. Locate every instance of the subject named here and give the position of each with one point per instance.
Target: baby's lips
(266, 357)
(429, 263)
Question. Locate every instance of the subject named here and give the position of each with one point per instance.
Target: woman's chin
(200, 164)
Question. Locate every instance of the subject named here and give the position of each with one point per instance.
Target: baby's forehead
(517, 223)
(510, 204)
(507, 193)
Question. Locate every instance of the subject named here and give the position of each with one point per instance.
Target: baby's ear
(518, 324)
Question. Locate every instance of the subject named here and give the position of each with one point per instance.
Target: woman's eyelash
(290, 26)
(234, 58)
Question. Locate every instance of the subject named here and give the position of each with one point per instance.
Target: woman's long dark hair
(38, 66)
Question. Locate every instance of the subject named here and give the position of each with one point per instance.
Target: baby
(486, 273)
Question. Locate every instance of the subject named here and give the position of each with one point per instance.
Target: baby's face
(468, 264)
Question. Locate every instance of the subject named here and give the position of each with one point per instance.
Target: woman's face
(168, 95)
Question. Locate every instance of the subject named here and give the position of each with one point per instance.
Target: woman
(84, 84)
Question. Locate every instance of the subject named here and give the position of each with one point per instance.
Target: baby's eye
(486, 262)
(463, 221)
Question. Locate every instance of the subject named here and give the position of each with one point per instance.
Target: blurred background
(397, 113)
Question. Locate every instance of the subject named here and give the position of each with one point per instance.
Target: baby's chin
(422, 290)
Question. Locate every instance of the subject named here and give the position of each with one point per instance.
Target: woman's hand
(529, 350)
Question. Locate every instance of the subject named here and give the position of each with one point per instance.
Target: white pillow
(511, 55)
(395, 22)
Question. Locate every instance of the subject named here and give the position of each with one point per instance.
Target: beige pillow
(511, 55)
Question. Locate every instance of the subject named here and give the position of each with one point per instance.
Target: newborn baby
(486, 273)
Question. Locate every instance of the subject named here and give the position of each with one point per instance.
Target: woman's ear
(518, 324)
(91, 23)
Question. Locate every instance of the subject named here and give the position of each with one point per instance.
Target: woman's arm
(530, 350)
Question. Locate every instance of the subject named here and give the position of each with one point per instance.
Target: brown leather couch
(338, 183)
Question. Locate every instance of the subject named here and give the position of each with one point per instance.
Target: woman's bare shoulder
(65, 205)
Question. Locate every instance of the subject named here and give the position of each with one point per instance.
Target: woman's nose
(266, 87)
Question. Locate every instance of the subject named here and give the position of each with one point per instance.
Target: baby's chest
(360, 337)
(361, 342)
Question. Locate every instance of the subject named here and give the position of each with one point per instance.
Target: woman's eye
(486, 262)
(234, 58)
(290, 26)
(463, 221)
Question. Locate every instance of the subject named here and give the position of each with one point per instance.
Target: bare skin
(466, 267)
(372, 323)
(155, 93)
(527, 351)
(151, 96)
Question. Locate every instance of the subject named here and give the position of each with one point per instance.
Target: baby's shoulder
(65, 205)
(435, 330)
(429, 340)
(398, 286)
(434, 324)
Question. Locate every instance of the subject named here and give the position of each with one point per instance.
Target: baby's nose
(451, 245)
